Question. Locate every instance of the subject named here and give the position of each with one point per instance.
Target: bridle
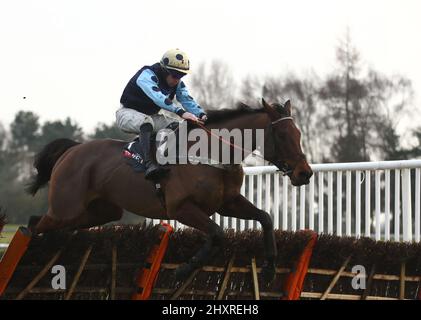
(283, 166)
(282, 119)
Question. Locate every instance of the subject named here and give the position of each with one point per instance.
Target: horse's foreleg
(191, 215)
(240, 207)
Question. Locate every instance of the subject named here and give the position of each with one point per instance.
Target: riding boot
(153, 170)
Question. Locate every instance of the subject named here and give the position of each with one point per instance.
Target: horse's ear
(288, 107)
(273, 114)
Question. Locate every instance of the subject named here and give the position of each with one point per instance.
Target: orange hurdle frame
(295, 280)
(148, 274)
(12, 256)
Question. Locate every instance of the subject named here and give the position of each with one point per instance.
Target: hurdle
(147, 276)
(295, 280)
(137, 271)
(12, 256)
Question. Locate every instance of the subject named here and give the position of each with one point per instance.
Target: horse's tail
(45, 161)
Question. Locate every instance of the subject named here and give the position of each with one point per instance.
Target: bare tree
(251, 91)
(387, 99)
(304, 95)
(358, 111)
(415, 150)
(213, 85)
(2, 137)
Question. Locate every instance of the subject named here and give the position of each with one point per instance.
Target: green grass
(8, 232)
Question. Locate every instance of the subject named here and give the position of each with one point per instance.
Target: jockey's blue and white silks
(187, 101)
(148, 92)
(157, 94)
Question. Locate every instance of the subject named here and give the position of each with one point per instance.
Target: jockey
(151, 89)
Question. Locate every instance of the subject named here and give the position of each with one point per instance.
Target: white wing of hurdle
(372, 199)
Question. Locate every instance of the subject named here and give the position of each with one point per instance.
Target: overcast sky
(73, 58)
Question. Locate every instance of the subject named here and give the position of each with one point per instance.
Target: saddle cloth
(133, 156)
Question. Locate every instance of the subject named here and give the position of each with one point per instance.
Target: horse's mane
(227, 114)
(241, 109)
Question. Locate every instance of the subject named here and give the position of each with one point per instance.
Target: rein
(226, 141)
(286, 171)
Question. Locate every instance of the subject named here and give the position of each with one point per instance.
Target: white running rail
(362, 199)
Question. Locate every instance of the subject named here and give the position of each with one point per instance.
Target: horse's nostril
(306, 174)
(303, 174)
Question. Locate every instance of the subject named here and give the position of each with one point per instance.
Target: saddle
(133, 154)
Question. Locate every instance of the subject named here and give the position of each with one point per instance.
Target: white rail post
(348, 203)
(406, 205)
(250, 198)
(387, 205)
(311, 204)
(148, 221)
(256, 225)
(285, 203)
(268, 198)
(397, 204)
(217, 219)
(259, 191)
(302, 207)
(225, 221)
(367, 203)
(330, 202)
(417, 204)
(339, 203)
(321, 196)
(243, 192)
(294, 208)
(358, 203)
(276, 201)
(378, 225)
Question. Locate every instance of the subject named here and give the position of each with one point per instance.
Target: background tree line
(351, 114)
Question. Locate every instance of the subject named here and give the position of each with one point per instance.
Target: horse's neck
(249, 121)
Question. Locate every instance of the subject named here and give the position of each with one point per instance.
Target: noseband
(285, 168)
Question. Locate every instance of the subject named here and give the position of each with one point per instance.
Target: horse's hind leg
(99, 212)
(191, 215)
(33, 221)
(45, 223)
(240, 207)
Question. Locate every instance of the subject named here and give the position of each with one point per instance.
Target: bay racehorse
(90, 184)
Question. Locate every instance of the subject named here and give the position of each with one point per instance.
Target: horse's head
(282, 144)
